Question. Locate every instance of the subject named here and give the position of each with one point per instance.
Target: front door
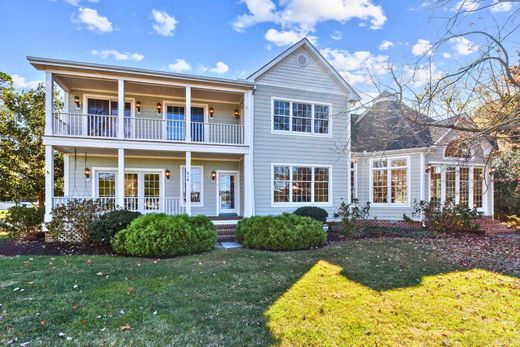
(228, 193)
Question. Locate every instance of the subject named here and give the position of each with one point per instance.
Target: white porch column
(188, 184)
(187, 114)
(120, 109)
(248, 117)
(423, 176)
(49, 182)
(120, 188)
(248, 186)
(49, 102)
(66, 168)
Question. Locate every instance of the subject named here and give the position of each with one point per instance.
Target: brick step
(224, 238)
(226, 232)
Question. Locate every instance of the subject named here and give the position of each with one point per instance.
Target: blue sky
(226, 38)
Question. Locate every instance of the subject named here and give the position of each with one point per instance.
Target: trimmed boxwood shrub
(280, 233)
(104, 229)
(316, 213)
(154, 235)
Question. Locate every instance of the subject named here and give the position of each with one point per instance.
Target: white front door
(228, 192)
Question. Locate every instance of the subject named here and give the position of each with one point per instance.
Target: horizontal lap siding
(292, 149)
(78, 186)
(391, 213)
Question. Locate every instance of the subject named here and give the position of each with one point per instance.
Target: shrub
(70, 221)
(280, 233)
(22, 222)
(354, 217)
(103, 230)
(507, 183)
(154, 235)
(449, 218)
(313, 212)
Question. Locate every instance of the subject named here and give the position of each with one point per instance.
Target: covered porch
(154, 181)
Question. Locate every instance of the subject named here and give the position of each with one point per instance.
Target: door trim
(237, 189)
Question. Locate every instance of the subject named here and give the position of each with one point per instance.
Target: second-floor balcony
(149, 129)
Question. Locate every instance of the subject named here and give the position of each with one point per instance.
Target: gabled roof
(305, 42)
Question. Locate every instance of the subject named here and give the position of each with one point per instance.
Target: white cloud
(422, 47)
(419, 76)
(446, 55)
(93, 20)
(463, 46)
(336, 35)
(180, 66)
(385, 45)
(122, 56)
(285, 38)
(19, 82)
(501, 6)
(465, 6)
(72, 2)
(164, 24)
(303, 15)
(220, 68)
(357, 67)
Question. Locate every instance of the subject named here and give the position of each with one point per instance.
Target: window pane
(131, 191)
(399, 186)
(321, 184)
(352, 181)
(321, 119)
(478, 178)
(281, 115)
(379, 163)
(464, 186)
(450, 184)
(398, 163)
(380, 186)
(435, 186)
(302, 117)
(281, 183)
(151, 191)
(302, 184)
(175, 126)
(196, 184)
(106, 184)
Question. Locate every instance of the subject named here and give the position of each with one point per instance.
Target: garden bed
(12, 248)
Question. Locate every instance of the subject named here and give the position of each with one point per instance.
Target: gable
(315, 75)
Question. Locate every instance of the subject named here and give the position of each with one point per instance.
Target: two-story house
(145, 140)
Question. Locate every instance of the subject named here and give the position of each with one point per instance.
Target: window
(301, 117)
(301, 184)
(196, 185)
(435, 186)
(478, 180)
(353, 179)
(99, 122)
(451, 178)
(457, 149)
(106, 184)
(131, 191)
(464, 186)
(390, 181)
(151, 191)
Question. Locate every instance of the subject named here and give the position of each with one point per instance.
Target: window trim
(353, 184)
(299, 204)
(299, 133)
(458, 159)
(109, 98)
(388, 168)
(193, 204)
(166, 103)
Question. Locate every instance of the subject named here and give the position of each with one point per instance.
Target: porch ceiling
(80, 151)
(134, 88)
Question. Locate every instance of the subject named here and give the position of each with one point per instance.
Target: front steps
(494, 226)
(226, 232)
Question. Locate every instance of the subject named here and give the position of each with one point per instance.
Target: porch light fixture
(76, 101)
(429, 168)
(213, 176)
(138, 106)
(159, 108)
(87, 173)
(492, 171)
(168, 175)
(237, 114)
(211, 112)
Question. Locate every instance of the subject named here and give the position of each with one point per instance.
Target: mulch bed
(12, 248)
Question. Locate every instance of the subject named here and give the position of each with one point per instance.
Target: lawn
(362, 292)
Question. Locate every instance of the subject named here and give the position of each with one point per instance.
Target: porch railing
(173, 205)
(88, 125)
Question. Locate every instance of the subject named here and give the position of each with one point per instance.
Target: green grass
(363, 292)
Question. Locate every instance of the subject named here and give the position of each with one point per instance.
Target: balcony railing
(172, 206)
(88, 125)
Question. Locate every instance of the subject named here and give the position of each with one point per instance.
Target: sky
(233, 38)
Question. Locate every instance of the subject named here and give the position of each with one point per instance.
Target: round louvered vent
(302, 60)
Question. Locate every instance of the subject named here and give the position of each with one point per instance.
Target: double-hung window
(457, 185)
(389, 179)
(300, 117)
(301, 184)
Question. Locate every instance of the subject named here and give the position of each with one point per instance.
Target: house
(145, 140)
